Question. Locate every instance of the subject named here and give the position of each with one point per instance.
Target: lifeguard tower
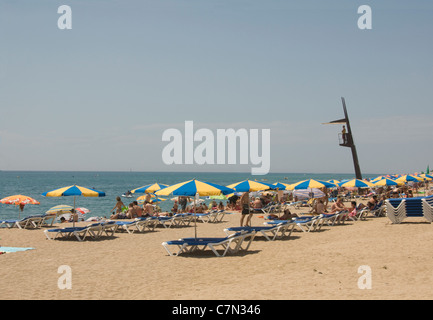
(345, 139)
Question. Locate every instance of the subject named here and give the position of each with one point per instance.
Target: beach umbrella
(357, 183)
(74, 191)
(150, 188)
(408, 178)
(281, 186)
(59, 209)
(194, 188)
(333, 181)
(250, 186)
(386, 182)
(82, 210)
(154, 198)
(219, 197)
(310, 183)
(425, 177)
(19, 200)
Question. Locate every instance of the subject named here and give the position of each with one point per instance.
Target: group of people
(133, 210)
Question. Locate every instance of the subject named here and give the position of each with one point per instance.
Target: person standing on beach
(245, 205)
(119, 205)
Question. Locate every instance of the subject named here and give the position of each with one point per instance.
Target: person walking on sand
(245, 205)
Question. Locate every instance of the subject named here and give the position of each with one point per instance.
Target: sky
(99, 96)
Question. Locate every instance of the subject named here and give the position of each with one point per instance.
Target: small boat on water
(127, 194)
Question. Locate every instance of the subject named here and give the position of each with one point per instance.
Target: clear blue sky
(99, 96)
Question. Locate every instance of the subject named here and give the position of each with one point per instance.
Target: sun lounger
(276, 231)
(399, 209)
(328, 218)
(179, 219)
(211, 216)
(139, 224)
(230, 244)
(307, 224)
(48, 219)
(30, 222)
(94, 230)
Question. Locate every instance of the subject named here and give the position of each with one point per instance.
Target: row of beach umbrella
(196, 188)
(199, 188)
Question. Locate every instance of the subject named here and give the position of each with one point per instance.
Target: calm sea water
(34, 183)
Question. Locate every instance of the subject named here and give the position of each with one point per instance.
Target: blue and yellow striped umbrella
(280, 185)
(150, 188)
(193, 187)
(309, 184)
(250, 186)
(357, 183)
(408, 178)
(74, 190)
(386, 182)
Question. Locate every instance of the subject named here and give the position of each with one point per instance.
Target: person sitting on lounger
(372, 202)
(138, 211)
(287, 215)
(175, 207)
(121, 214)
(257, 203)
(353, 209)
(319, 207)
(338, 206)
(149, 212)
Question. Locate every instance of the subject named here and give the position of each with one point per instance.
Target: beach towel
(4, 250)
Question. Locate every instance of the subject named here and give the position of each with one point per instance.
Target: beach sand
(316, 265)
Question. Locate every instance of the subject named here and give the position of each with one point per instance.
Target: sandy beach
(316, 265)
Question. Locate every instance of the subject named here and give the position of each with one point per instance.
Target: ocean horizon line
(192, 172)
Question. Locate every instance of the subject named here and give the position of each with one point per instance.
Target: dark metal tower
(346, 139)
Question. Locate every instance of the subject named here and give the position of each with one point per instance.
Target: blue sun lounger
(30, 222)
(94, 230)
(305, 224)
(139, 224)
(276, 231)
(232, 244)
(399, 209)
(209, 217)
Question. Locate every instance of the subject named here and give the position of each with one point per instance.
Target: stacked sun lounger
(399, 209)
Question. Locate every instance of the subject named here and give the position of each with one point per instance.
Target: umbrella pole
(195, 221)
(73, 215)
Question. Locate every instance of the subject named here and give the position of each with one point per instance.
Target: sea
(35, 183)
